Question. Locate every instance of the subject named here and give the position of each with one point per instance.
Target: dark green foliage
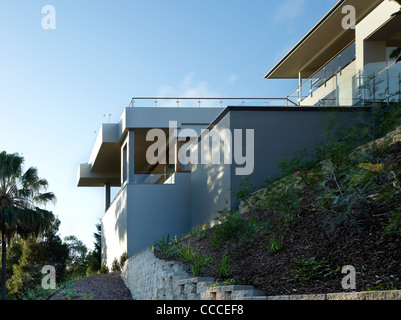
(199, 261)
(124, 257)
(77, 262)
(344, 199)
(274, 243)
(393, 227)
(94, 257)
(27, 260)
(311, 269)
(284, 197)
(234, 229)
(166, 246)
(118, 264)
(21, 195)
(115, 265)
(103, 269)
(223, 268)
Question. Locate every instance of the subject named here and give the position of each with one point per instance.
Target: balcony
(184, 102)
(339, 83)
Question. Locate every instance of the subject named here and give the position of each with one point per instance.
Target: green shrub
(393, 227)
(284, 197)
(103, 269)
(184, 252)
(199, 232)
(223, 269)
(309, 269)
(38, 293)
(198, 262)
(166, 246)
(124, 257)
(343, 198)
(115, 265)
(234, 229)
(274, 244)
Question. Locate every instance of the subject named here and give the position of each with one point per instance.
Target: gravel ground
(97, 287)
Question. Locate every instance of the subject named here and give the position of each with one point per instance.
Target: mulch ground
(375, 258)
(108, 286)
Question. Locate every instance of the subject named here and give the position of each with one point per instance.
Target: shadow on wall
(114, 227)
(215, 183)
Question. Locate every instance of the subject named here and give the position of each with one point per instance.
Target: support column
(131, 156)
(106, 196)
(127, 158)
(299, 87)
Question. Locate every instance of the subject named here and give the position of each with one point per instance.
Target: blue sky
(57, 85)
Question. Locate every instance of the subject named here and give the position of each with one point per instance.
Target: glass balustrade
(162, 178)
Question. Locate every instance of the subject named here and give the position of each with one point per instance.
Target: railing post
(388, 83)
(337, 91)
(399, 87)
(299, 88)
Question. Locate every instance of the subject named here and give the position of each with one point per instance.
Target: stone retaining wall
(150, 278)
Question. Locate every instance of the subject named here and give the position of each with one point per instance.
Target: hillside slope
(328, 216)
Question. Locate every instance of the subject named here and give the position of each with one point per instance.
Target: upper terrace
(109, 161)
(339, 66)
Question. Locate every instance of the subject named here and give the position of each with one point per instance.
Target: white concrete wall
(373, 51)
(114, 229)
(157, 210)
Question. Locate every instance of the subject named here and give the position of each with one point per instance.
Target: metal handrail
(177, 99)
(322, 67)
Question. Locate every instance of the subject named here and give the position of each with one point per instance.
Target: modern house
(339, 70)
(343, 63)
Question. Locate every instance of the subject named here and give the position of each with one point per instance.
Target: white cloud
(233, 78)
(188, 88)
(288, 10)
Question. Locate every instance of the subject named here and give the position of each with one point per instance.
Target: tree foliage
(21, 195)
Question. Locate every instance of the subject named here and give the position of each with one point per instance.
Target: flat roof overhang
(322, 42)
(390, 32)
(86, 178)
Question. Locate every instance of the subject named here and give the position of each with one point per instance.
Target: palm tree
(20, 196)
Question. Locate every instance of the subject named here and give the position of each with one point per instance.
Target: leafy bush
(184, 252)
(115, 265)
(103, 269)
(223, 269)
(284, 197)
(166, 246)
(198, 262)
(393, 227)
(274, 244)
(309, 269)
(199, 232)
(344, 198)
(38, 293)
(234, 229)
(124, 257)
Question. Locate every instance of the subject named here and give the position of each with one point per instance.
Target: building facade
(339, 70)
